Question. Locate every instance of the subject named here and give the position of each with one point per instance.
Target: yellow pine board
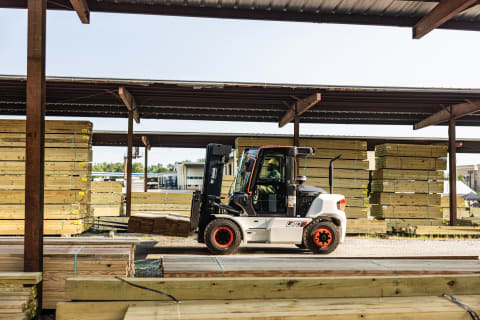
(106, 186)
(389, 162)
(51, 154)
(21, 277)
(51, 211)
(324, 163)
(51, 182)
(394, 174)
(51, 140)
(51, 126)
(405, 199)
(304, 142)
(100, 210)
(366, 226)
(51, 168)
(445, 202)
(385, 211)
(447, 230)
(50, 227)
(339, 182)
(356, 212)
(161, 198)
(357, 202)
(411, 150)
(59, 196)
(407, 186)
(106, 198)
(338, 173)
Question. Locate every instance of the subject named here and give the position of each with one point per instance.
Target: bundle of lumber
(162, 202)
(106, 199)
(68, 156)
(357, 297)
(18, 295)
(71, 257)
(351, 170)
(407, 184)
(165, 224)
(463, 211)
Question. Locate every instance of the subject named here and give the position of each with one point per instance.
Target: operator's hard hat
(274, 162)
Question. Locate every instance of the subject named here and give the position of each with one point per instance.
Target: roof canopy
(236, 101)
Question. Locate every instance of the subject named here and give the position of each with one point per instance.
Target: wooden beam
(444, 11)
(451, 112)
(300, 107)
(296, 132)
(145, 189)
(128, 204)
(146, 142)
(83, 12)
(129, 102)
(452, 163)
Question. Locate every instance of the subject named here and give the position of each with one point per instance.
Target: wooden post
(129, 164)
(146, 170)
(296, 131)
(452, 163)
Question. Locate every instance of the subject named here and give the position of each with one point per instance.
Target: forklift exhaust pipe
(330, 172)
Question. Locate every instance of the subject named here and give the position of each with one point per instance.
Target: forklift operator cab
(269, 204)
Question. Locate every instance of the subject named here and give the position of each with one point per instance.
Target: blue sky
(176, 48)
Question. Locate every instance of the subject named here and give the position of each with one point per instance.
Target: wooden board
(357, 202)
(338, 173)
(106, 210)
(445, 202)
(411, 150)
(395, 174)
(327, 154)
(52, 140)
(18, 295)
(304, 142)
(51, 182)
(51, 168)
(410, 224)
(325, 163)
(51, 211)
(106, 186)
(50, 197)
(386, 211)
(407, 186)
(405, 199)
(51, 126)
(461, 213)
(162, 197)
(447, 230)
(51, 154)
(162, 224)
(50, 227)
(92, 289)
(106, 198)
(356, 212)
(339, 183)
(366, 226)
(410, 163)
(20, 277)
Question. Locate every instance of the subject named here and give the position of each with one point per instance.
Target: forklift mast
(215, 159)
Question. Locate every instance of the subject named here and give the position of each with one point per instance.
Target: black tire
(222, 236)
(321, 237)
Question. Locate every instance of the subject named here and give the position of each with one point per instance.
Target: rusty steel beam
(451, 112)
(300, 107)
(128, 204)
(444, 11)
(35, 140)
(452, 165)
(83, 12)
(129, 102)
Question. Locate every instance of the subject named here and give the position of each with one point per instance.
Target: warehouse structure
(239, 102)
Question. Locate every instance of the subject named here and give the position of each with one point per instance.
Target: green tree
(137, 167)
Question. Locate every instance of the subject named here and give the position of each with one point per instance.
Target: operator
(273, 175)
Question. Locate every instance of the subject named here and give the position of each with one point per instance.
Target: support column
(35, 137)
(129, 164)
(296, 131)
(452, 164)
(146, 170)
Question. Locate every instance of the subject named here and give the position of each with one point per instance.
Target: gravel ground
(353, 247)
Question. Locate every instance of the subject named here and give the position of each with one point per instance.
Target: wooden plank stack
(165, 224)
(356, 297)
(407, 184)
(68, 156)
(462, 209)
(71, 257)
(162, 202)
(106, 198)
(18, 295)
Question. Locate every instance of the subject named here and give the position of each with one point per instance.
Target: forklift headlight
(341, 205)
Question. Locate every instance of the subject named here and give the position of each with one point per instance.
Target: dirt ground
(158, 246)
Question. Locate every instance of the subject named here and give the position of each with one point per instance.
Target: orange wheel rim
(322, 237)
(223, 237)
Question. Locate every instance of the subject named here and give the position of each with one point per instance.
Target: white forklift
(268, 204)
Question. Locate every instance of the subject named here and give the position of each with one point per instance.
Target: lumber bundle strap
(470, 311)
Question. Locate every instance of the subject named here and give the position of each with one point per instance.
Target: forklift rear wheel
(222, 236)
(321, 237)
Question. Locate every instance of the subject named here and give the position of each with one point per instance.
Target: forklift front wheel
(321, 237)
(222, 236)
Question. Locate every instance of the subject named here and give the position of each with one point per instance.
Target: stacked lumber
(462, 209)
(356, 297)
(106, 199)
(68, 156)
(165, 224)
(162, 202)
(18, 295)
(71, 257)
(351, 170)
(407, 184)
(227, 185)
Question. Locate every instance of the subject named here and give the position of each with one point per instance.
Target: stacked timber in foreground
(356, 297)
(351, 175)
(68, 156)
(407, 184)
(18, 295)
(71, 257)
(106, 199)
